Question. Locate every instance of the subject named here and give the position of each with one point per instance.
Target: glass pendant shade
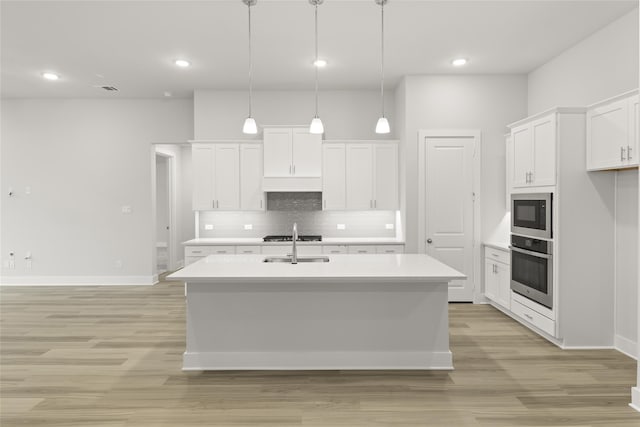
(250, 126)
(316, 128)
(383, 125)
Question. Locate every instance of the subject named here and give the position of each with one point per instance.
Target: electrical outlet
(389, 226)
(208, 226)
(248, 226)
(27, 190)
(341, 226)
(126, 210)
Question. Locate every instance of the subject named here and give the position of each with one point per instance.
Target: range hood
(291, 184)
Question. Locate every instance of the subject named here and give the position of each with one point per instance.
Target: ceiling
(132, 44)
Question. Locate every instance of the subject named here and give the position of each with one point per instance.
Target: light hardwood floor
(111, 356)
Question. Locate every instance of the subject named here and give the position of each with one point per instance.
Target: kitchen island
(353, 312)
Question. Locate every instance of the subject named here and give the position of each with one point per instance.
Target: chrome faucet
(294, 255)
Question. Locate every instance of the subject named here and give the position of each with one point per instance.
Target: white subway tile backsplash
(325, 223)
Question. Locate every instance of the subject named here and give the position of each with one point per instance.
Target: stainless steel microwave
(531, 215)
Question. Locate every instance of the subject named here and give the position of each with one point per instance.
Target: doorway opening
(164, 213)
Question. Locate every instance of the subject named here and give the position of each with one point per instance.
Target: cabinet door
(202, 160)
(522, 147)
(334, 185)
(385, 177)
(607, 137)
(490, 280)
(277, 152)
(251, 194)
(634, 131)
(227, 176)
(544, 152)
(307, 154)
(359, 176)
(503, 287)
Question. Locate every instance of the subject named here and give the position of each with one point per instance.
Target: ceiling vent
(107, 88)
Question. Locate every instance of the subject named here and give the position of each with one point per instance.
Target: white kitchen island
(353, 312)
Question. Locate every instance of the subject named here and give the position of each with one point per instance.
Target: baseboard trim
(316, 360)
(77, 280)
(626, 346)
(635, 398)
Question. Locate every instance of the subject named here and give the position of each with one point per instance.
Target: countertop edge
(498, 245)
(260, 242)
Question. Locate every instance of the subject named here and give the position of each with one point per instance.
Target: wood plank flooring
(111, 356)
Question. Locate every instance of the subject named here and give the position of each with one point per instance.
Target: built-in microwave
(531, 214)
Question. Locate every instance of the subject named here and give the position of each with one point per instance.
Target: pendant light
(316, 124)
(383, 124)
(250, 126)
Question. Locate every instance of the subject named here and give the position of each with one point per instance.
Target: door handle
(429, 241)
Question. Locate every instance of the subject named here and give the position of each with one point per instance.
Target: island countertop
(400, 268)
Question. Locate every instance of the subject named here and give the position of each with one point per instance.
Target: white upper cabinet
(612, 133)
(251, 194)
(533, 147)
(386, 176)
(359, 176)
(292, 153)
(278, 150)
(372, 176)
(227, 176)
(202, 159)
(307, 153)
(334, 177)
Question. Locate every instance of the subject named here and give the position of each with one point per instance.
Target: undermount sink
(300, 259)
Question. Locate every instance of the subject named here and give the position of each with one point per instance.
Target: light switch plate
(126, 210)
(341, 226)
(248, 226)
(208, 226)
(389, 226)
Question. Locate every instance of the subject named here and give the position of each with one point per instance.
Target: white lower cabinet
(196, 253)
(497, 276)
(533, 317)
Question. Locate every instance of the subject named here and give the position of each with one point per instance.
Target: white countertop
(400, 268)
(240, 241)
(504, 246)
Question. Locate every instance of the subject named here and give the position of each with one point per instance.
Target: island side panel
(317, 326)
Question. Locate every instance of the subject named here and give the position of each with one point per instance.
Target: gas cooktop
(289, 238)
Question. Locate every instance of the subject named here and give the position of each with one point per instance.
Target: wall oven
(531, 214)
(532, 269)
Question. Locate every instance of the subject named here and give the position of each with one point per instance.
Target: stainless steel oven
(531, 214)
(532, 269)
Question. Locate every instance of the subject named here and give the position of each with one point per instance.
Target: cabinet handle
(390, 251)
(528, 316)
(362, 252)
(289, 169)
(217, 204)
(628, 152)
(621, 153)
(213, 204)
(260, 203)
(294, 169)
(196, 252)
(530, 177)
(527, 178)
(375, 204)
(335, 252)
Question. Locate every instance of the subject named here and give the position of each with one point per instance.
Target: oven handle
(536, 254)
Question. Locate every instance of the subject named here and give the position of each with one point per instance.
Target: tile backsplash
(325, 223)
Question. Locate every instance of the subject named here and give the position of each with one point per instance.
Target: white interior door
(449, 208)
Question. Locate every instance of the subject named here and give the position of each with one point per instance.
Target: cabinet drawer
(362, 249)
(209, 250)
(390, 249)
(536, 319)
(245, 250)
(334, 249)
(494, 254)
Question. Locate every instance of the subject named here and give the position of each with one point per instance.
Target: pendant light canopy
(383, 124)
(250, 126)
(316, 124)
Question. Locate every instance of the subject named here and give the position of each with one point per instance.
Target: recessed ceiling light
(320, 63)
(459, 62)
(182, 63)
(50, 76)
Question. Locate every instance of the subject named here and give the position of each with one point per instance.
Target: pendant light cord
(316, 61)
(382, 55)
(250, 61)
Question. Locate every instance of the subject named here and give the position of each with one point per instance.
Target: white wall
(482, 102)
(601, 66)
(345, 114)
(83, 159)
